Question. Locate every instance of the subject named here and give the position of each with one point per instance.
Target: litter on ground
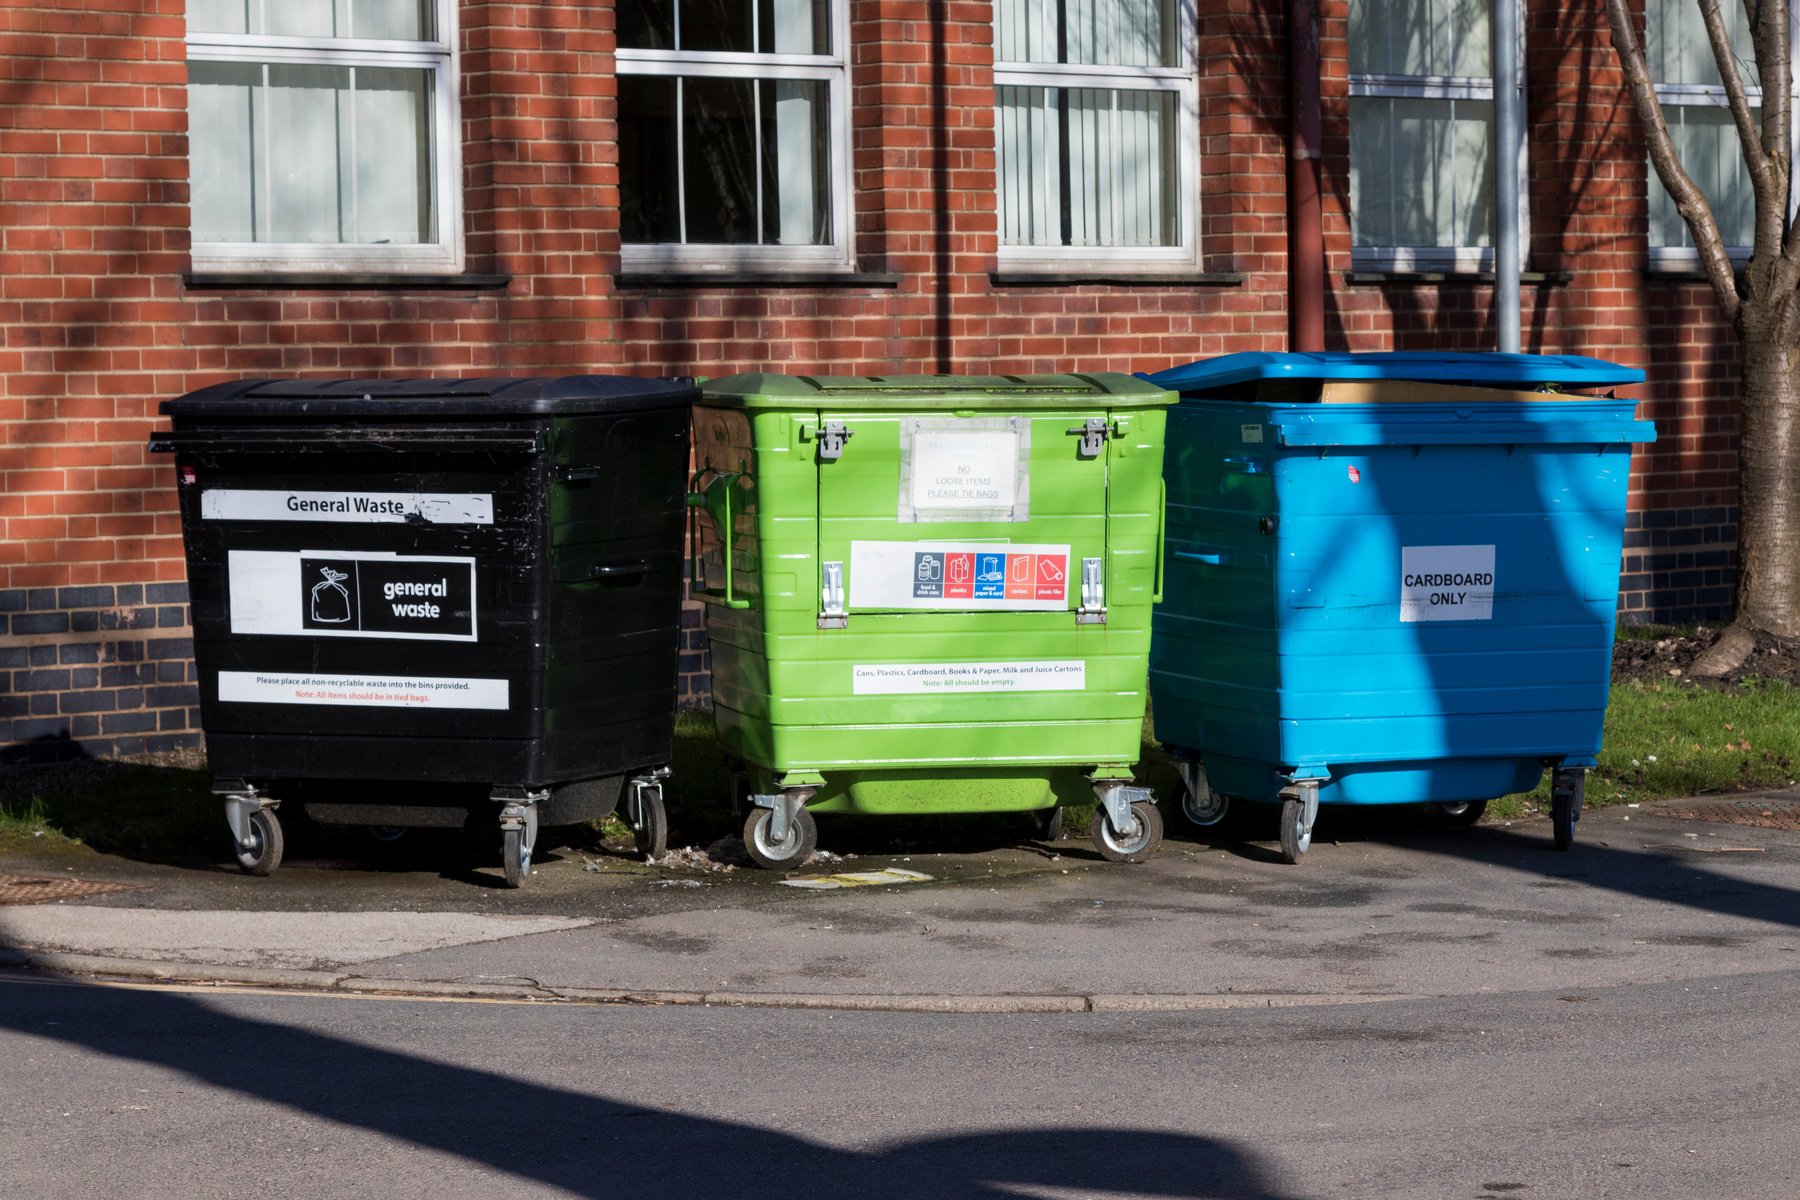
(850, 879)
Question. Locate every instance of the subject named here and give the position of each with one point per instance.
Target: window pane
(1676, 47)
(221, 118)
(753, 27)
(747, 163)
(297, 18)
(387, 162)
(1707, 143)
(1119, 151)
(219, 16)
(399, 20)
(396, 20)
(796, 178)
(301, 156)
(646, 25)
(719, 160)
(649, 172)
(310, 154)
(1421, 174)
(1421, 37)
(1136, 33)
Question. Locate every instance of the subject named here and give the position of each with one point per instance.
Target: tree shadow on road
(1668, 876)
(590, 1144)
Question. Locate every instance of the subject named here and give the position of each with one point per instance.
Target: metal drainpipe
(1306, 240)
(1507, 132)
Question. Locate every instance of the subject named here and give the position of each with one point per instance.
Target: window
(322, 135)
(1098, 134)
(1693, 102)
(1422, 102)
(733, 134)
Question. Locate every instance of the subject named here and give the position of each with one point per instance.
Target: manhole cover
(1766, 814)
(30, 889)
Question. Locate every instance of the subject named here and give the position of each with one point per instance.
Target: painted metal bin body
(1405, 599)
(893, 571)
(417, 602)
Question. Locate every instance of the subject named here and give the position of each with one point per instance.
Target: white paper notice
(377, 691)
(894, 679)
(964, 468)
(1446, 583)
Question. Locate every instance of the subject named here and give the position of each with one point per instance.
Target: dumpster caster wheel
(1567, 789)
(1133, 845)
(263, 854)
(386, 833)
(652, 826)
(515, 856)
(1047, 824)
(1299, 809)
(1457, 813)
(1202, 807)
(1204, 813)
(788, 855)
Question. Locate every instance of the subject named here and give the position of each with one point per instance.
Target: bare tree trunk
(1768, 590)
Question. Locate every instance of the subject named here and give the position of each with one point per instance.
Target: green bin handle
(1162, 538)
(716, 499)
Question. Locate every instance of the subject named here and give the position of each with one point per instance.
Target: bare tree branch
(1689, 200)
(1749, 136)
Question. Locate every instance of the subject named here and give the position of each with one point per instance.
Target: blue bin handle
(1210, 558)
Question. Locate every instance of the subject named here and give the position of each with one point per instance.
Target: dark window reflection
(649, 191)
(738, 26)
(747, 162)
(720, 153)
(646, 24)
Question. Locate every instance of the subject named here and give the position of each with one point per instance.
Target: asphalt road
(1658, 1090)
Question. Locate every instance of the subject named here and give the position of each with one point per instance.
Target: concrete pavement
(1382, 908)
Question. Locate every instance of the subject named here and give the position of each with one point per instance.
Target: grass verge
(1665, 741)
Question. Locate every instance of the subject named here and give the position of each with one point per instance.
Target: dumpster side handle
(716, 499)
(1162, 538)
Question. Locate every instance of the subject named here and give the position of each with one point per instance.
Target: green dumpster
(930, 594)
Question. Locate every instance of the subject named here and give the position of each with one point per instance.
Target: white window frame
(1182, 81)
(1451, 259)
(441, 58)
(833, 69)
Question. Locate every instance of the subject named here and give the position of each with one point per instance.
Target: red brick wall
(98, 323)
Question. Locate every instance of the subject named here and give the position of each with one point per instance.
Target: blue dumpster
(1391, 579)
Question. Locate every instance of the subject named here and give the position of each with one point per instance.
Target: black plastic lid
(374, 399)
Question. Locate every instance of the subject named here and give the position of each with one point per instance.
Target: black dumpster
(435, 602)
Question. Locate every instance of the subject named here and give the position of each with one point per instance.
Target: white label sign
(1251, 433)
(965, 469)
(1446, 583)
(366, 508)
(960, 576)
(352, 593)
(895, 679)
(367, 691)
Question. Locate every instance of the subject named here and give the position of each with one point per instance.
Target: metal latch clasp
(832, 614)
(1093, 593)
(1094, 433)
(832, 436)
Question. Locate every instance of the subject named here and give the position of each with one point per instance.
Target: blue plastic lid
(1427, 366)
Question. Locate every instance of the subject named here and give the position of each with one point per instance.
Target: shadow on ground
(589, 1144)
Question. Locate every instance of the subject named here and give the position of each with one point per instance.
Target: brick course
(99, 320)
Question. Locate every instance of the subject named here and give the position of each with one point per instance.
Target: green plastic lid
(1105, 389)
